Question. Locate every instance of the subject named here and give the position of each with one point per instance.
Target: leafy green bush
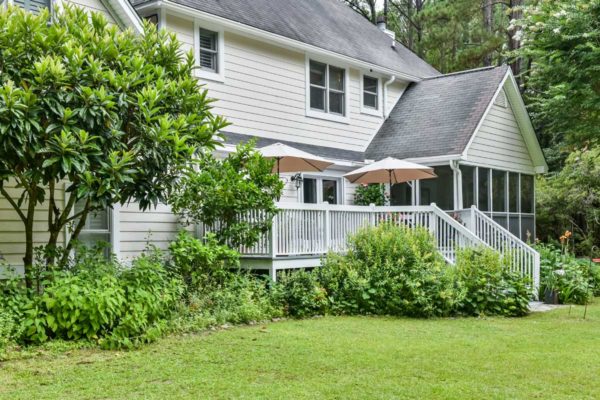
(488, 287)
(196, 261)
(302, 294)
(114, 305)
(10, 330)
(366, 195)
(575, 280)
(391, 270)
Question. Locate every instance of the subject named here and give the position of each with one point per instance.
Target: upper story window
(32, 5)
(370, 92)
(209, 49)
(327, 89)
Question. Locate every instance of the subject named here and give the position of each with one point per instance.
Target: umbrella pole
(390, 196)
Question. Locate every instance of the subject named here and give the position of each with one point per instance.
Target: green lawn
(546, 356)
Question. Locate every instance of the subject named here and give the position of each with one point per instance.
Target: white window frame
(368, 110)
(326, 115)
(218, 76)
(319, 178)
(114, 227)
(54, 4)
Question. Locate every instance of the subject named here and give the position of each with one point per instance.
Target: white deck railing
(314, 229)
(523, 258)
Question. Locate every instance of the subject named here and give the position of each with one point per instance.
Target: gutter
(272, 38)
(385, 91)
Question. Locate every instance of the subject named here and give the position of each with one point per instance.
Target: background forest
(553, 48)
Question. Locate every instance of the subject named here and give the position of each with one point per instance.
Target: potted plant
(551, 288)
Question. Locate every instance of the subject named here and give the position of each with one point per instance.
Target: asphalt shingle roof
(327, 24)
(322, 151)
(437, 116)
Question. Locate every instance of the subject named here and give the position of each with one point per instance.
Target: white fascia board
(127, 14)
(435, 160)
(272, 38)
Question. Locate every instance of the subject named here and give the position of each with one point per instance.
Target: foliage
(570, 200)
(223, 189)
(302, 294)
(115, 114)
(487, 287)
(198, 261)
(115, 306)
(240, 298)
(366, 195)
(388, 269)
(562, 42)
(575, 280)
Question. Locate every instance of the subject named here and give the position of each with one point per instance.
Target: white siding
(12, 229)
(156, 226)
(499, 142)
(264, 94)
(94, 5)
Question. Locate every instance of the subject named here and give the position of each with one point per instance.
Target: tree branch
(13, 204)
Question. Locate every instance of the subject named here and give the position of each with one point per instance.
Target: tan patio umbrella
(290, 159)
(390, 170)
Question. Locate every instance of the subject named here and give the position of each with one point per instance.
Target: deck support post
(327, 228)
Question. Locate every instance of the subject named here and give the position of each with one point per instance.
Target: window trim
(319, 178)
(365, 109)
(326, 115)
(218, 76)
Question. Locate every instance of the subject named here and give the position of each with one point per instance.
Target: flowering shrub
(370, 194)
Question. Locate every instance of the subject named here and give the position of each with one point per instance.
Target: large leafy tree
(115, 115)
(562, 45)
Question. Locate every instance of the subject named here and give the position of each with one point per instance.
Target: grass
(548, 356)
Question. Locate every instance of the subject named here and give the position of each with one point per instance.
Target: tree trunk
(28, 258)
(488, 24)
(514, 42)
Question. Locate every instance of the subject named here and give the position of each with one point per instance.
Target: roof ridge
(467, 71)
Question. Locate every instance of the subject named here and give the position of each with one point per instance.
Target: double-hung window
(97, 229)
(209, 50)
(370, 92)
(327, 88)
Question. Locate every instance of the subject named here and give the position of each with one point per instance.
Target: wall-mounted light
(297, 180)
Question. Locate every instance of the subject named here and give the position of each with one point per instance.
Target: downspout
(385, 85)
(458, 200)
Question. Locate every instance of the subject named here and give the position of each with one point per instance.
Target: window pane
(513, 192)
(468, 186)
(499, 190)
(31, 5)
(317, 98)
(92, 240)
(484, 187)
(317, 73)
(98, 220)
(370, 84)
(330, 194)
(527, 193)
(439, 190)
(208, 40)
(336, 78)
(310, 190)
(370, 100)
(336, 103)
(401, 194)
(500, 219)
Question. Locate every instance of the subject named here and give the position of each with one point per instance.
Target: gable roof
(125, 13)
(326, 24)
(437, 116)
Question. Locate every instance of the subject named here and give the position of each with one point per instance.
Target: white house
(317, 76)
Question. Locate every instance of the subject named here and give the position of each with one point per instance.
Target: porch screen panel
(513, 192)
(527, 196)
(468, 185)
(439, 190)
(484, 189)
(499, 191)
(401, 195)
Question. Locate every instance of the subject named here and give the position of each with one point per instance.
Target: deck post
(373, 216)
(273, 238)
(327, 227)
